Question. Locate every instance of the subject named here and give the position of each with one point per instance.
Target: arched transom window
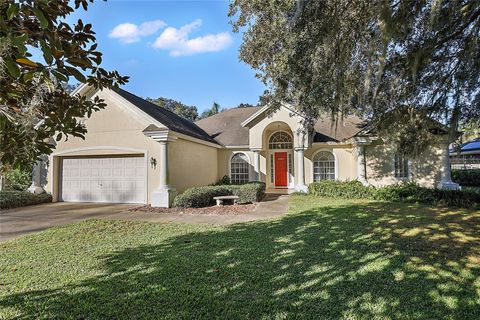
(239, 168)
(280, 140)
(323, 166)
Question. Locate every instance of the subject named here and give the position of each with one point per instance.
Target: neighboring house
(137, 152)
(468, 157)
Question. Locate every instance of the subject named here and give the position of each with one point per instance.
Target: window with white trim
(239, 168)
(323, 166)
(401, 166)
(280, 140)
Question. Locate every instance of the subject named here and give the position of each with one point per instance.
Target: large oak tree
(399, 63)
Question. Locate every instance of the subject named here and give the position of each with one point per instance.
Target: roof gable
(169, 119)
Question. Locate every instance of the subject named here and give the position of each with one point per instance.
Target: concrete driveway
(19, 221)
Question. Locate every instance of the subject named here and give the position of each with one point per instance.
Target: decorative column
(256, 164)
(38, 176)
(361, 168)
(164, 194)
(300, 187)
(446, 173)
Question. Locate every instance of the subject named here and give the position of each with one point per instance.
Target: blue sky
(184, 50)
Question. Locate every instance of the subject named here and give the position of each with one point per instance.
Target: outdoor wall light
(153, 162)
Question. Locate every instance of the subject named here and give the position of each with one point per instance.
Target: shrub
(467, 177)
(17, 180)
(198, 197)
(341, 189)
(14, 199)
(404, 192)
(249, 192)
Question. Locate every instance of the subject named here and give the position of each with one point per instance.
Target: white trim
(230, 164)
(271, 134)
(265, 108)
(237, 147)
(197, 140)
(287, 151)
(127, 105)
(65, 153)
(332, 151)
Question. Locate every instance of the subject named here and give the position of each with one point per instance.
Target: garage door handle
(101, 185)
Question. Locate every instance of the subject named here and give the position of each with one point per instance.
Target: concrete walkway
(20, 221)
(272, 206)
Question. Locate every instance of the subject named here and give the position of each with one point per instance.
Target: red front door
(281, 179)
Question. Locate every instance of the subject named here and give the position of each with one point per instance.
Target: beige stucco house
(137, 152)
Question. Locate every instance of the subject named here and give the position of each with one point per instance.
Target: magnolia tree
(35, 104)
(399, 63)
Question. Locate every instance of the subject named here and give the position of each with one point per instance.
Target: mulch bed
(216, 210)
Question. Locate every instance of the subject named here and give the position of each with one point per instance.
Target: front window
(401, 166)
(323, 166)
(280, 140)
(239, 166)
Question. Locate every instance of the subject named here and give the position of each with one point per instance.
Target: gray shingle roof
(226, 127)
(167, 118)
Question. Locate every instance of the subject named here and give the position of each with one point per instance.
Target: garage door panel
(114, 179)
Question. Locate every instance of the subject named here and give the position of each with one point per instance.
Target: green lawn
(326, 259)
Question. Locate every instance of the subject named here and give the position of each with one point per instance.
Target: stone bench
(220, 199)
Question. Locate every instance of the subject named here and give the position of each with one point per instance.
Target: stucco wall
(345, 160)
(224, 156)
(191, 164)
(424, 169)
(257, 129)
(113, 130)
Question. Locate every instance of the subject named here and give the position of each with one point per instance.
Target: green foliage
(225, 180)
(343, 189)
(14, 199)
(17, 179)
(212, 111)
(184, 111)
(335, 57)
(35, 103)
(467, 177)
(402, 192)
(198, 197)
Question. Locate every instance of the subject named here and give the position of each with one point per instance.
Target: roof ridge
(156, 105)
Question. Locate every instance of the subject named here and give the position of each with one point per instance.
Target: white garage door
(105, 179)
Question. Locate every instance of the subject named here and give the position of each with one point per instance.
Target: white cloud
(177, 41)
(130, 32)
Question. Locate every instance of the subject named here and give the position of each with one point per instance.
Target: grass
(327, 259)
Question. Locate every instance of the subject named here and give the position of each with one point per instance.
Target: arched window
(280, 140)
(239, 165)
(323, 166)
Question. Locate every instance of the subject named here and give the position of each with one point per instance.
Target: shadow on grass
(353, 261)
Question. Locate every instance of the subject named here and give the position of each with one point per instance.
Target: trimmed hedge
(15, 199)
(340, 189)
(404, 192)
(198, 197)
(467, 177)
